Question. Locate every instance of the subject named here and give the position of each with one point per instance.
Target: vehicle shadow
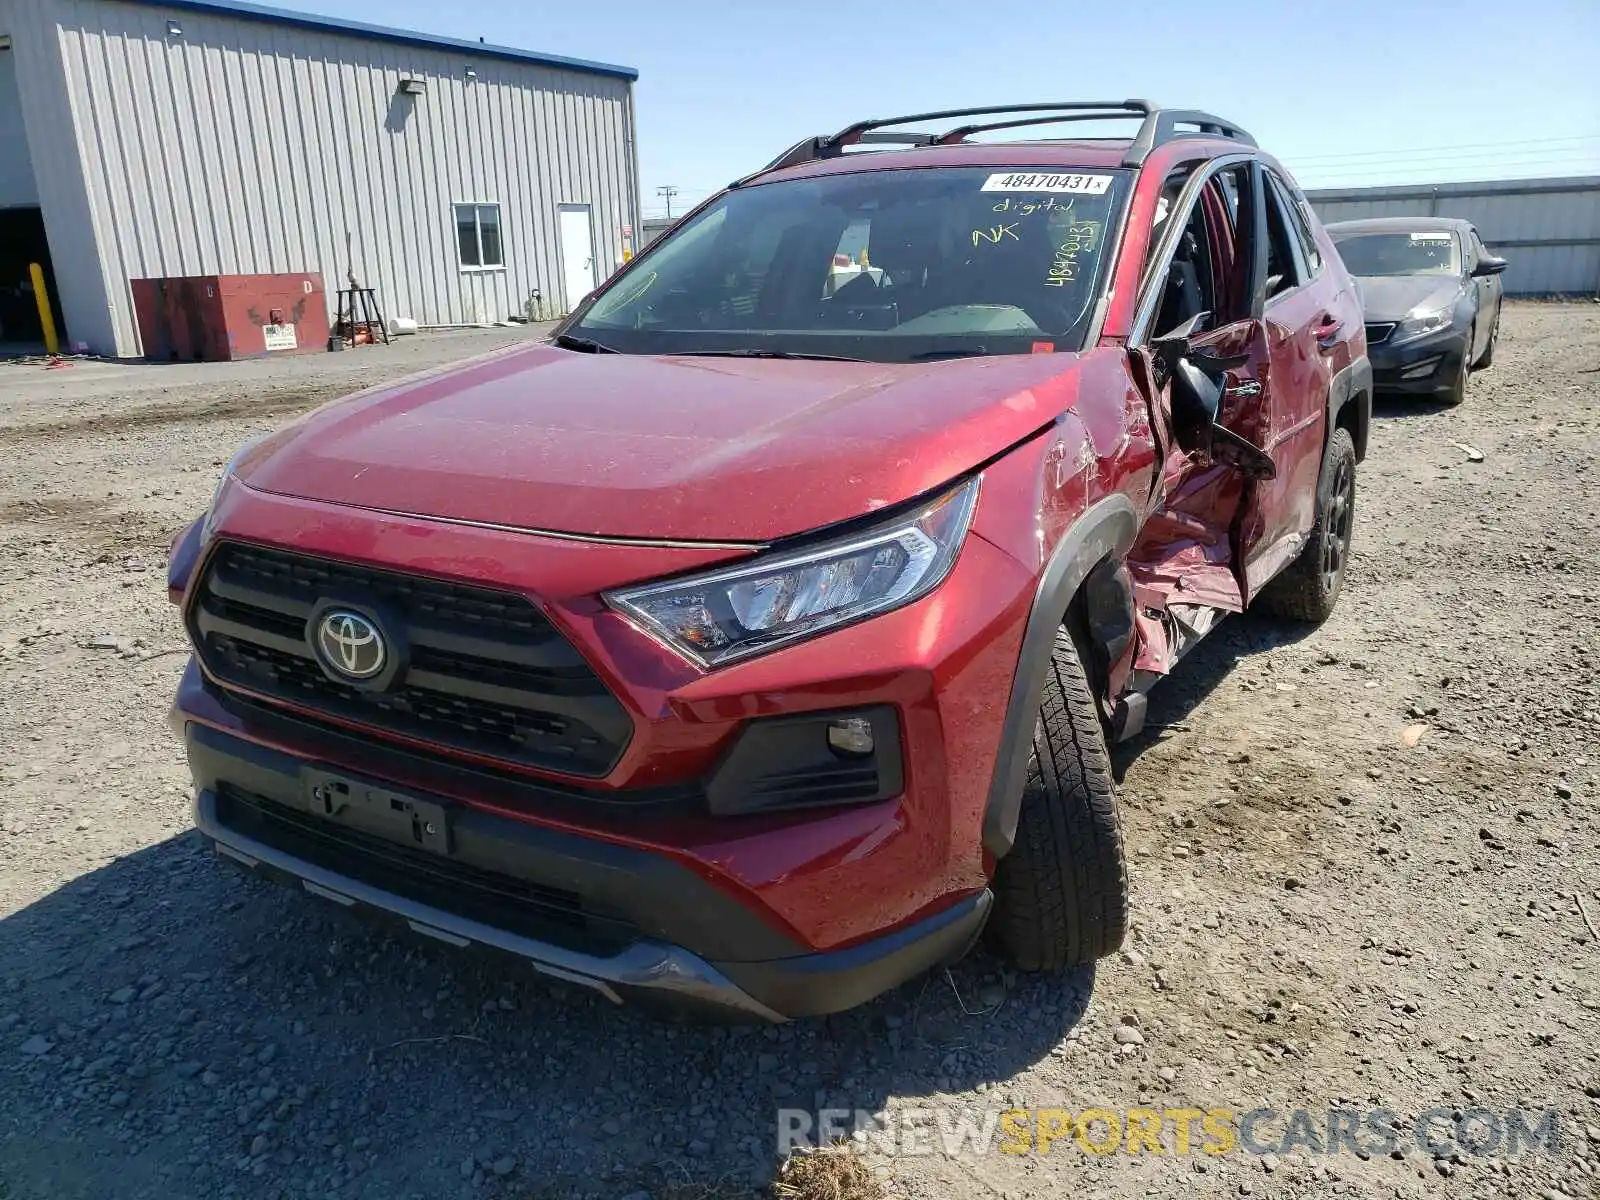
(1172, 700)
(172, 1028)
(1388, 406)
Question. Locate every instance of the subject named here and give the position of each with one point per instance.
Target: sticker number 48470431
(1035, 181)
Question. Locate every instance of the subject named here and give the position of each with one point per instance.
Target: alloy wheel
(1336, 528)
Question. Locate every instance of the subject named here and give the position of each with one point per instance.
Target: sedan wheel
(1488, 351)
(1457, 391)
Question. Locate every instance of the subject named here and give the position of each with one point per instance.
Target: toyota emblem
(351, 644)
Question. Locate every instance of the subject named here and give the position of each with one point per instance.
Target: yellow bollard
(52, 344)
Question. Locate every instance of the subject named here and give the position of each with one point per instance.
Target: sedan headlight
(1421, 323)
(721, 616)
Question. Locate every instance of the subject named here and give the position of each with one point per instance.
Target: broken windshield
(890, 266)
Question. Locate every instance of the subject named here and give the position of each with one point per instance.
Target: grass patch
(834, 1173)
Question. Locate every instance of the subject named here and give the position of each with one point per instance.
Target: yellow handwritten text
(1080, 239)
(993, 236)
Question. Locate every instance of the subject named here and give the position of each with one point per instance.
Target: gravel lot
(1325, 915)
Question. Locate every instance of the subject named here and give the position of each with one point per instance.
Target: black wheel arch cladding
(1106, 530)
(1352, 386)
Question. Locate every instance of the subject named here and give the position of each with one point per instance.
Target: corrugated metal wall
(244, 146)
(1548, 228)
(58, 174)
(17, 188)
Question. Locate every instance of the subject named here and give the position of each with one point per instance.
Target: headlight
(208, 525)
(725, 615)
(1416, 326)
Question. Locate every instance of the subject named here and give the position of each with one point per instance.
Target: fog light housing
(809, 760)
(850, 737)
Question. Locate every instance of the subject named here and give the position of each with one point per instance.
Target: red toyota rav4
(756, 642)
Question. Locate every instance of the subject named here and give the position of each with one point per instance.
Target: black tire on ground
(1487, 359)
(1308, 588)
(1061, 894)
(1457, 391)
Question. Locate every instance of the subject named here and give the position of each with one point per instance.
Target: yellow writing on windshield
(993, 236)
(1081, 238)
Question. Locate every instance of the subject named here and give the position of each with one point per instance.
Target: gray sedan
(1431, 297)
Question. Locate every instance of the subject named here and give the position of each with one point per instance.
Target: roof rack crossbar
(962, 132)
(1157, 126)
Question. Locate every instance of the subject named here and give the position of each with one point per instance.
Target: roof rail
(1161, 127)
(811, 148)
(1157, 126)
(851, 134)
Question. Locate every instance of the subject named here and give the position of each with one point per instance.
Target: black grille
(1379, 332)
(817, 784)
(519, 906)
(486, 673)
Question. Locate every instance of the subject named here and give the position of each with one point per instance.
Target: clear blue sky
(1343, 91)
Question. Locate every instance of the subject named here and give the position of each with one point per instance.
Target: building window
(478, 237)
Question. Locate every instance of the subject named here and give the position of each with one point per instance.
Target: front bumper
(1422, 366)
(826, 877)
(618, 919)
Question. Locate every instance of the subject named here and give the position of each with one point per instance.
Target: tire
(1308, 588)
(1457, 391)
(1061, 894)
(1487, 360)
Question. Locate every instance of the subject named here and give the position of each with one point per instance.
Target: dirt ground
(1325, 915)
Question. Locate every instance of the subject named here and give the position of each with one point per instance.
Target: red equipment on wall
(218, 318)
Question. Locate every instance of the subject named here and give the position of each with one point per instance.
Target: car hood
(1395, 297)
(672, 448)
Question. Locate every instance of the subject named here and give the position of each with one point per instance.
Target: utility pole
(667, 192)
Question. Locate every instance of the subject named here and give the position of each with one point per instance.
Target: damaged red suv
(755, 643)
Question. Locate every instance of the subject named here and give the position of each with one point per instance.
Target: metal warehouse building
(1549, 229)
(141, 139)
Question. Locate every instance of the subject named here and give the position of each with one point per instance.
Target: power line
(1479, 172)
(1581, 162)
(1574, 155)
(1323, 182)
(1434, 151)
(668, 192)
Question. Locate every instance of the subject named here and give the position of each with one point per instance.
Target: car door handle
(1327, 330)
(1250, 387)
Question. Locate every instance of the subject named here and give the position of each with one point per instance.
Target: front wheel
(1488, 351)
(1457, 391)
(1309, 587)
(1061, 894)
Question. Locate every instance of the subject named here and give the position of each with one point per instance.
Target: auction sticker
(1033, 181)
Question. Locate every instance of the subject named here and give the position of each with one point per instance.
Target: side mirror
(1196, 384)
(1489, 265)
(1196, 400)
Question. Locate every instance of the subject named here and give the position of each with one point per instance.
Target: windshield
(891, 266)
(1423, 252)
